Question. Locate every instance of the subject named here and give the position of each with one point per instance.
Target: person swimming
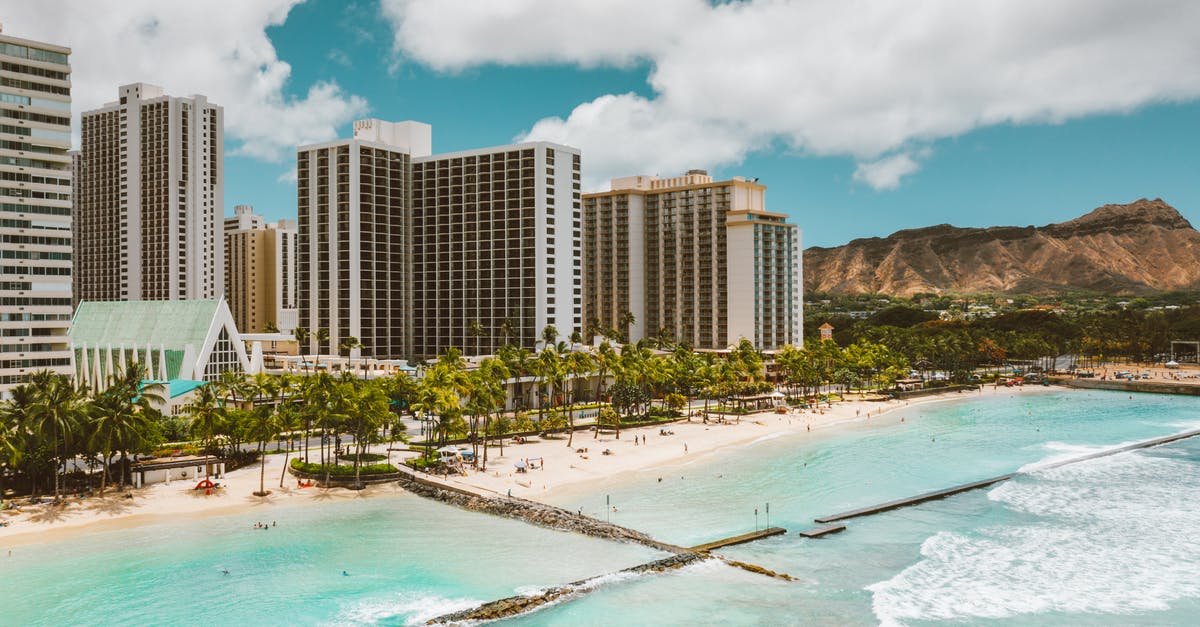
(345, 574)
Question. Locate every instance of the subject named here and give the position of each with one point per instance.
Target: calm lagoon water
(1109, 541)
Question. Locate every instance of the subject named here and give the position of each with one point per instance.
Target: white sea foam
(414, 609)
(1111, 535)
(1062, 451)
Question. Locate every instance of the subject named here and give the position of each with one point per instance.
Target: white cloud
(454, 34)
(885, 173)
(218, 48)
(859, 78)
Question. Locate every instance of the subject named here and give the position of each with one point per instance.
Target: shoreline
(547, 486)
(165, 502)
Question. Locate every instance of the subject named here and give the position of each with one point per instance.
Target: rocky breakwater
(512, 606)
(529, 511)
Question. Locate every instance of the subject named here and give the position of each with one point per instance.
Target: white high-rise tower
(150, 202)
(35, 204)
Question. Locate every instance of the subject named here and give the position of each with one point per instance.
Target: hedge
(365, 457)
(318, 469)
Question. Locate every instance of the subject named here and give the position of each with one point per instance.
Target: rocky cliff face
(1139, 248)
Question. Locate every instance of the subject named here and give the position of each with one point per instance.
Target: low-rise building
(172, 339)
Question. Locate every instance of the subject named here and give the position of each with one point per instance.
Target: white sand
(563, 467)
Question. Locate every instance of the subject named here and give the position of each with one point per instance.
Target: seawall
(533, 512)
(1121, 385)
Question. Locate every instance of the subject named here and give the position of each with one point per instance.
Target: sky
(862, 117)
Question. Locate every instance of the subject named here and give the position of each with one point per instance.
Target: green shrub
(423, 463)
(365, 457)
(342, 471)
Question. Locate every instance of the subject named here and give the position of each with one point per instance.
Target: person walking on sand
(685, 448)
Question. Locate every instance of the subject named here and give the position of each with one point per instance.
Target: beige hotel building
(35, 209)
(701, 260)
(260, 271)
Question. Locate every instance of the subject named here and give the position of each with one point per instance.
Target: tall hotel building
(496, 241)
(35, 204)
(354, 200)
(149, 202)
(260, 271)
(698, 260)
(414, 253)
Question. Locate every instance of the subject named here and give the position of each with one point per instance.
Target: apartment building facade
(35, 209)
(150, 181)
(496, 248)
(354, 200)
(699, 261)
(413, 253)
(260, 271)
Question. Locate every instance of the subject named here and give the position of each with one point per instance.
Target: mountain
(1139, 248)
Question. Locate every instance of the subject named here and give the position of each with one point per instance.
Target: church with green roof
(175, 339)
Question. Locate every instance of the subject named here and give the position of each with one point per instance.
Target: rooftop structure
(181, 339)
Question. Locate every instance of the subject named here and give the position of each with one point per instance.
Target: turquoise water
(1110, 541)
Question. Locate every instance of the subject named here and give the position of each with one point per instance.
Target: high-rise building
(150, 181)
(699, 261)
(354, 202)
(260, 271)
(413, 253)
(35, 203)
(496, 255)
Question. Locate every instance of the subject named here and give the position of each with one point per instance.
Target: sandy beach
(559, 466)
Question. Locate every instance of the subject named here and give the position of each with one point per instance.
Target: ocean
(1107, 541)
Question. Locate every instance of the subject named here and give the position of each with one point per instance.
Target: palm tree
(117, 425)
(263, 427)
(208, 414)
(624, 322)
(55, 415)
(285, 414)
(606, 360)
(576, 365)
(302, 335)
(347, 345)
(322, 337)
(549, 335)
(517, 360)
(475, 331)
(508, 329)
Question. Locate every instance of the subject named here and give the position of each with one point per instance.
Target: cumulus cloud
(859, 78)
(886, 173)
(219, 49)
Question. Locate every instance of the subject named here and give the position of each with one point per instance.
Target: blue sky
(1002, 175)
(862, 117)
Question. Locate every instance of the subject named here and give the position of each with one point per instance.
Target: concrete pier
(920, 498)
(817, 532)
(739, 539)
(975, 485)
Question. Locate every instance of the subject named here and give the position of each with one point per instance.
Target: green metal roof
(172, 324)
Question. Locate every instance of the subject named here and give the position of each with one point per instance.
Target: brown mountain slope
(1142, 247)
